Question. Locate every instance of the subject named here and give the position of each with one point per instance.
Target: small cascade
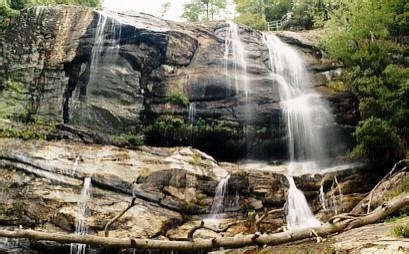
(81, 215)
(299, 214)
(333, 203)
(218, 201)
(323, 200)
(99, 42)
(336, 204)
(192, 113)
(75, 166)
(235, 54)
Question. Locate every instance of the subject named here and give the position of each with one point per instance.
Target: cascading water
(235, 55)
(81, 215)
(192, 113)
(98, 44)
(323, 200)
(305, 115)
(219, 197)
(299, 213)
(336, 204)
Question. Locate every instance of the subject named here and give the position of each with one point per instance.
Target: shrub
(168, 130)
(401, 230)
(178, 99)
(378, 141)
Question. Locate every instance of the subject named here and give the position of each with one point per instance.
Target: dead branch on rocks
(203, 226)
(265, 214)
(399, 163)
(131, 204)
(225, 242)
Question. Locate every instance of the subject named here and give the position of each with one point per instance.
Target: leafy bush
(11, 8)
(168, 130)
(359, 34)
(378, 140)
(178, 99)
(401, 230)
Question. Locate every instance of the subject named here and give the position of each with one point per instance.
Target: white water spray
(235, 55)
(81, 215)
(218, 202)
(192, 113)
(305, 115)
(299, 213)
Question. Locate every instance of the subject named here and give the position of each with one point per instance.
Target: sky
(148, 6)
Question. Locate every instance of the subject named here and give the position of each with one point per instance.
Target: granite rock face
(124, 73)
(174, 188)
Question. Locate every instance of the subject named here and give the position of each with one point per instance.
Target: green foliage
(378, 140)
(401, 230)
(11, 8)
(27, 132)
(252, 13)
(339, 86)
(168, 130)
(305, 13)
(360, 34)
(198, 10)
(397, 217)
(13, 86)
(178, 99)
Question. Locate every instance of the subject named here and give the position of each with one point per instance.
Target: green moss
(401, 215)
(338, 86)
(168, 130)
(401, 188)
(401, 230)
(178, 99)
(27, 132)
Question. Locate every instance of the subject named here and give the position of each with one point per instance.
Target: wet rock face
(120, 73)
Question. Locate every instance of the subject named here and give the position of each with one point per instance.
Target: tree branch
(203, 226)
(381, 181)
(131, 204)
(209, 244)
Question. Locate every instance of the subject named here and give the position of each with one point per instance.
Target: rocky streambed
(41, 183)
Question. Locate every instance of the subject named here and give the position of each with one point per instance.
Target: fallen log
(227, 242)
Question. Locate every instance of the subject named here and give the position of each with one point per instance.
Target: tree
(11, 8)
(251, 13)
(198, 10)
(365, 35)
(164, 8)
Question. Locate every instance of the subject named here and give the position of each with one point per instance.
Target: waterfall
(192, 113)
(81, 215)
(99, 43)
(75, 166)
(323, 200)
(218, 204)
(234, 54)
(306, 114)
(299, 213)
(336, 204)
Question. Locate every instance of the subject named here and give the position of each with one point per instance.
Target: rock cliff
(116, 74)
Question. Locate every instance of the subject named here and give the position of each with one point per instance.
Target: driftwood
(203, 226)
(383, 179)
(265, 214)
(131, 204)
(227, 242)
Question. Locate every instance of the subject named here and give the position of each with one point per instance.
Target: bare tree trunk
(228, 242)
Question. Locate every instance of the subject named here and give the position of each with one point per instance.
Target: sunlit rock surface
(41, 182)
